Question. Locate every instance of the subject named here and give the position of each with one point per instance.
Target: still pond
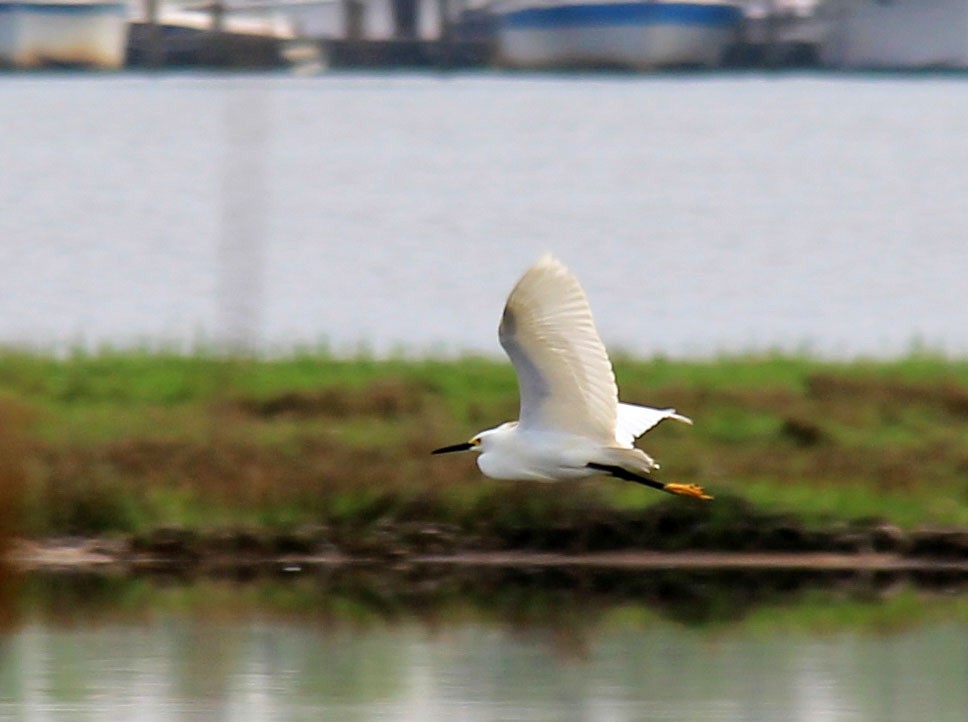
(484, 645)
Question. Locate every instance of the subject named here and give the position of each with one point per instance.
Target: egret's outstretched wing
(564, 375)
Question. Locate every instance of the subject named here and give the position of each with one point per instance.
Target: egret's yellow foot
(693, 490)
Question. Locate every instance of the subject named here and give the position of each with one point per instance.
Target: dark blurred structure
(422, 33)
(199, 39)
(777, 34)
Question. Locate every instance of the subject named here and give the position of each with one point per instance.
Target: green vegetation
(124, 442)
(580, 602)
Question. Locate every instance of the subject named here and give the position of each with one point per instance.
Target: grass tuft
(121, 442)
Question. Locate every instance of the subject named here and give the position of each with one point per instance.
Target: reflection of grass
(126, 441)
(818, 612)
(579, 601)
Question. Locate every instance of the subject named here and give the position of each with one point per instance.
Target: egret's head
(479, 442)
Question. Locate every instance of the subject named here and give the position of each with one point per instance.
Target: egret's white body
(571, 422)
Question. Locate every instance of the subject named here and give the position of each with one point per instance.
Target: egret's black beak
(455, 447)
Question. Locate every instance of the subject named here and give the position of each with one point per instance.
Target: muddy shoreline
(943, 552)
(520, 587)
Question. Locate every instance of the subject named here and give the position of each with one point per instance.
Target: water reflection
(365, 644)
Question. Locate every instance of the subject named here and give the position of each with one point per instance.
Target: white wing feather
(633, 421)
(565, 379)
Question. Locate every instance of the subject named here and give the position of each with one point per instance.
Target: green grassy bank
(124, 442)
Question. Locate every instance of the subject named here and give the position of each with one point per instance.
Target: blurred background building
(646, 34)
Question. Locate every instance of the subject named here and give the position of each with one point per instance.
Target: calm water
(703, 213)
(299, 650)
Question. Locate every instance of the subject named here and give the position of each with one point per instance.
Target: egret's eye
(476, 441)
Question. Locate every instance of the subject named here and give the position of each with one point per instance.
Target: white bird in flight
(572, 424)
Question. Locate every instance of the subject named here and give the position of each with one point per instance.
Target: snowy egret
(572, 424)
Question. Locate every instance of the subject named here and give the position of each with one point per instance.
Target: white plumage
(571, 422)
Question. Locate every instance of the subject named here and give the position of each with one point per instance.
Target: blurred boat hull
(46, 34)
(637, 35)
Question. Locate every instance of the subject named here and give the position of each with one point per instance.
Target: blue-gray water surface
(272, 650)
(704, 213)
(259, 671)
(360, 644)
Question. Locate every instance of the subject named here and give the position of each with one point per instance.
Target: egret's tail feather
(633, 460)
(632, 421)
(635, 465)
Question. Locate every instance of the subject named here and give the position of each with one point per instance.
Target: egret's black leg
(621, 473)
